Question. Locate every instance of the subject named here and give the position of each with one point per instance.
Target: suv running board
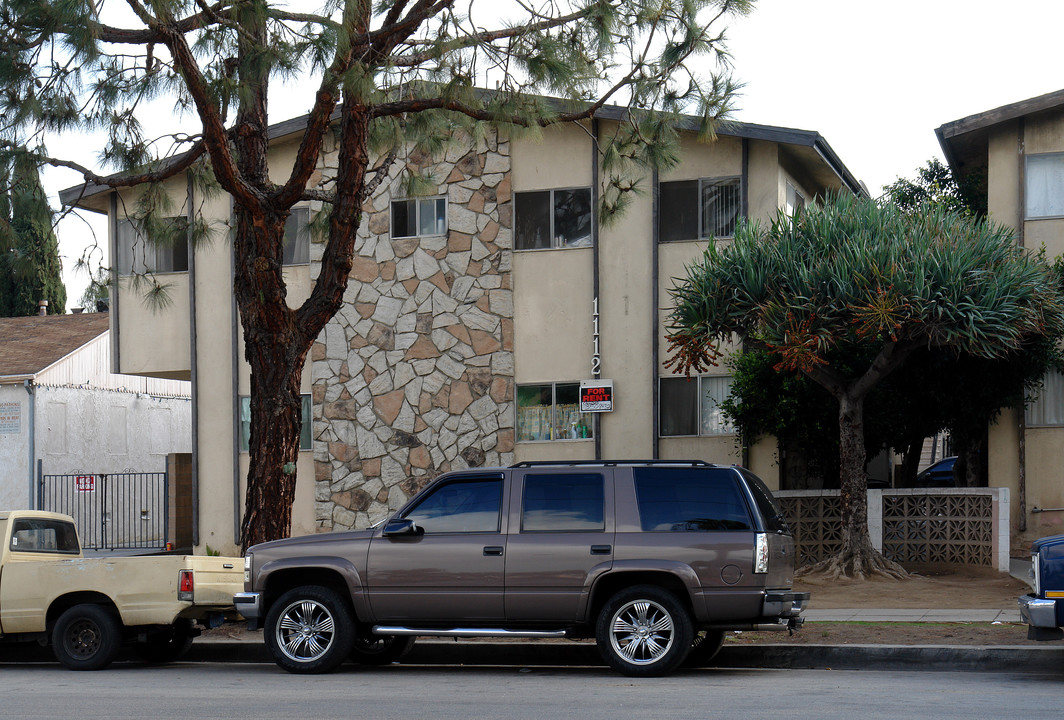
(467, 632)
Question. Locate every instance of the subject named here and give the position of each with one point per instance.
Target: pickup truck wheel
(86, 637)
(381, 649)
(644, 631)
(704, 648)
(167, 645)
(310, 629)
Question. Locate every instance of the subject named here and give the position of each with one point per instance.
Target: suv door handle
(601, 549)
(493, 550)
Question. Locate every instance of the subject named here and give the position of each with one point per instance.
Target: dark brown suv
(653, 559)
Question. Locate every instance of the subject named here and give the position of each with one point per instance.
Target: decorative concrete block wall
(414, 376)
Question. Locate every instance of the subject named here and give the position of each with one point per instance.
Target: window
(795, 201)
(689, 500)
(1045, 186)
(552, 219)
(698, 209)
(566, 502)
(551, 412)
(297, 237)
(1048, 407)
(43, 535)
(165, 251)
(463, 506)
(691, 406)
(245, 423)
(420, 217)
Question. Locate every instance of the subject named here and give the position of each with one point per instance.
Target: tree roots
(856, 564)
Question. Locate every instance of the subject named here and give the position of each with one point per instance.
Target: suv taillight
(185, 586)
(761, 553)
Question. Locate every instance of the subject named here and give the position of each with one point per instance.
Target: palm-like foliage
(859, 275)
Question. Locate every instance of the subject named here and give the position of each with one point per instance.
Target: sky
(874, 78)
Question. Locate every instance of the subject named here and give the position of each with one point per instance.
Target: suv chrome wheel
(644, 631)
(309, 629)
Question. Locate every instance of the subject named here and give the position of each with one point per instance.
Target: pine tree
(30, 269)
(389, 77)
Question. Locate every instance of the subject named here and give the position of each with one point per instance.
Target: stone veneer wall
(414, 376)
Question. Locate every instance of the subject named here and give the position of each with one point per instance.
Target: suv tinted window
(561, 502)
(689, 499)
(461, 506)
(766, 504)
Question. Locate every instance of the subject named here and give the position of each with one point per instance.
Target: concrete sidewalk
(939, 615)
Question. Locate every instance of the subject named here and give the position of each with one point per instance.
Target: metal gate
(113, 511)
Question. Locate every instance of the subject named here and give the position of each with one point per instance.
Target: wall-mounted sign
(596, 395)
(10, 418)
(85, 483)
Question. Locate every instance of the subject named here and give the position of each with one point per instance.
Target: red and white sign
(85, 483)
(596, 395)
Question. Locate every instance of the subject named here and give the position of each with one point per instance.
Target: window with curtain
(1048, 407)
(419, 217)
(698, 209)
(552, 219)
(691, 406)
(551, 411)
(305, 442)
(162, 250)
(297, 237)
(1045, 186)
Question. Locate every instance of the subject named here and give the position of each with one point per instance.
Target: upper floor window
(1047, 408)
(297, 237)
(165, 251)
(551, 412)
(304, 430)
(698, 209)
(419, 217)
(552, 219)
(795, 200)
(691, 406)
(1045, 186)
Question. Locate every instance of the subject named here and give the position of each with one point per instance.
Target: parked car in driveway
(653, 559)
(939, 474)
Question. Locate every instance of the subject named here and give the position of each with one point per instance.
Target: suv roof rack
(609, 463)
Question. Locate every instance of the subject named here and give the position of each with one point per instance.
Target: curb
(942, 658)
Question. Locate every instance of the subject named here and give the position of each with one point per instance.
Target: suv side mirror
(399, 527)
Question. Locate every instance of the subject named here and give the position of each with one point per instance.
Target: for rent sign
(596, 395)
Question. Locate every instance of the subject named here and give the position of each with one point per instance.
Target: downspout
(234, 352)
(596, 422)
(112, 300)
(1021, 450)
(744, 209)
(194, 361)
(32, 429)
(655, 351)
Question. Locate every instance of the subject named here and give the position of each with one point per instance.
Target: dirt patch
(933, 587)
(927, 587)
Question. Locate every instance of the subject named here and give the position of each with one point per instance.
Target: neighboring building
(62, 408)
(471, 318)
(1017, 152)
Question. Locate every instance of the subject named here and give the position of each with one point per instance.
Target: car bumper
(784, 604)
(1037, 612)
(250, 606)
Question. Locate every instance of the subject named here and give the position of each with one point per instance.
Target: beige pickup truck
(86, 608)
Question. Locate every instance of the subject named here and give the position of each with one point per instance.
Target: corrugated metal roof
(28, 345)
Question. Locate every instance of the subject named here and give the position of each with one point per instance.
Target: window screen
(689, 500)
